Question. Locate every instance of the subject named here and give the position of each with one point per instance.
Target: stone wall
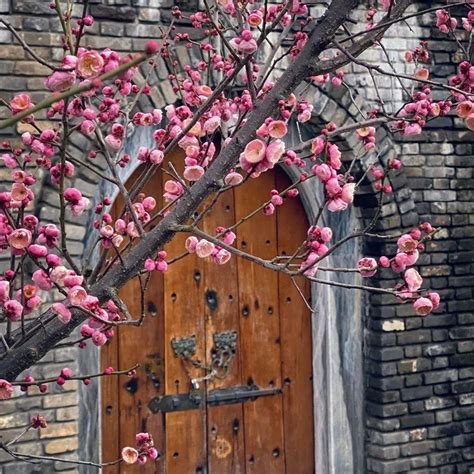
(419, 372)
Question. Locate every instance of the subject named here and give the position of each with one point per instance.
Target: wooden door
(250, 320)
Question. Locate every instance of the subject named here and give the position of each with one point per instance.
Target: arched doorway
(249, 323)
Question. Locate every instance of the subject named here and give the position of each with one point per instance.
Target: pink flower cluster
(408, 247)
(339, 192)
(96, 327)
(468, 23)
(421, 109)
(158, 264)
(419, 54)
(444, 21)
(144, 451)
(367, 136)
(6, 389)
(204, 249)
(316, 242)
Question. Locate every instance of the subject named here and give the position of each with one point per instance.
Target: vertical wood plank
(225, 435)
(110, 408)
(184, 310)
(296, 342)
(258, 301)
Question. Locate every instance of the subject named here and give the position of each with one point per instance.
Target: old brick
(61, 445)
(114, 13)
(416, 393)
(413, 449)
(412, 421)
(59, 430)
(62, 400)
(414, 337)
(441, 376)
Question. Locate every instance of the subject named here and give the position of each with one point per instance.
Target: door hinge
(224, 396)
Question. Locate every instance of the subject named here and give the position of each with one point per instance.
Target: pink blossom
(72, 279)
(326, 234)
(19, 191)
(42, 280)
(422, 74)
(334, 156)
(423, 306)
(37, 251)
(173, 190)
(435, 299)
(244, 44)
(384, 261)
(89, 64)
(275, 151)
(99, 338)
(77, 295)
(60, 81)
(337, 205)
(221, 257)
(347, 194)
(19, 239)
(58, 274)
(113, 143)
(412, 129)
(193, 173)
(308, 264)
(233, 179)
(386, 4)
(317, 145)
(367, 267)
(323, 172)
(129, 455)
(13, 310)
(212, 124)
(204, 248)
(255, 18)
(277, 129)
(255, 151)
(465, 108)
(413, 279)
(156, 157)
(21, 102)
(62, 311)
(469, 121)
(4, 291)
(87, 127)
(6, 389)
(149, 265)
(191, 243)
(406, 243)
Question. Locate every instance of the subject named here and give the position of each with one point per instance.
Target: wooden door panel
(296, 342)
(267, 435)
(226, 450)
(110, 408)
(225, 438)
(264, 437)
(259, 323)
(143, 345)
(186, 431)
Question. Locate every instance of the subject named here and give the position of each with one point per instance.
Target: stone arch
(338, 342)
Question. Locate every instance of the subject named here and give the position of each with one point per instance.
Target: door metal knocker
(222, 352)
(225, 346)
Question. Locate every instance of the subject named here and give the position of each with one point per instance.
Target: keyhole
(132, 386)
(151, 307)
(211, 299)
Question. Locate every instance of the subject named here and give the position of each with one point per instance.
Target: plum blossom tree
(95, 93)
